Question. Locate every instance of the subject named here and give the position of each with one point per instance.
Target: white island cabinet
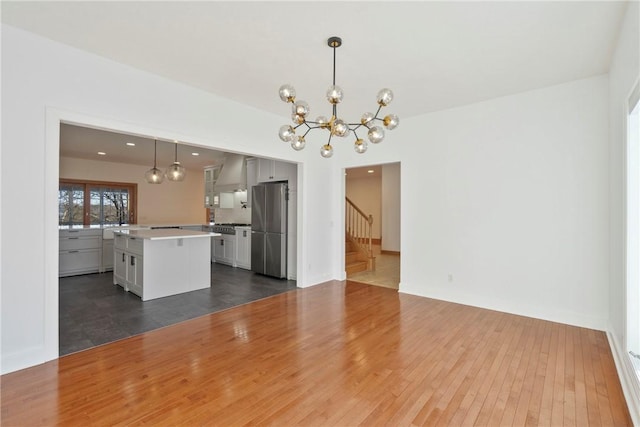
(158, 263)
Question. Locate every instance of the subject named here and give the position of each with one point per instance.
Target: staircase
(358, 250)
(355, 261)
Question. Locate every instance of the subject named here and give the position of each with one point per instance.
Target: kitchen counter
(127, 226)
(162, 262)
(163, 233)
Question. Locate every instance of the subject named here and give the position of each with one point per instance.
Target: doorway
(374, 191)
(55, 120)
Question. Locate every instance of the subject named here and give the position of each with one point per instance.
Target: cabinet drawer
(80, 242)
(135, 245)
(120, 242)
(79, 261)
(107, 255)
(80, 233)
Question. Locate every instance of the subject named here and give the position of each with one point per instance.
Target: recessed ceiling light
(102, 153)
(195, 154)
(131, 144)
(370, 171)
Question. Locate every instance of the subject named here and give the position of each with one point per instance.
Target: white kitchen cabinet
(243, 247)
(217, 249)
(224, 249)
(119, 266)
(80, 252)
(211, 199)
(252, 177)
(107, 255)
(274, 170)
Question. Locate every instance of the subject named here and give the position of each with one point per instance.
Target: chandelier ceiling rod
(335, 125)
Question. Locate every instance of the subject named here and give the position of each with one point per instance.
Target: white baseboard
(491, 302)
(21, 360)
(628, 379)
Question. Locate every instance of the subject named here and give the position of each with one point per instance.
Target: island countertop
(164, 233)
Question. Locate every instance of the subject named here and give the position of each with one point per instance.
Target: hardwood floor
(340, 353)
(94, 311)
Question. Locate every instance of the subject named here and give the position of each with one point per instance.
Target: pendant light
(176, 172)
(154, 175)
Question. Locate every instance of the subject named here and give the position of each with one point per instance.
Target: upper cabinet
(273, 170)
(211, 199)
(252, 177)
(257, 170)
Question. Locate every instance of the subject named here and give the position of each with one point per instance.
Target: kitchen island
(161, 262)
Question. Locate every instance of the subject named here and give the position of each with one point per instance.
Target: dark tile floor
(94, 311)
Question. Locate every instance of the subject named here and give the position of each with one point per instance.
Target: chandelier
(335, 125)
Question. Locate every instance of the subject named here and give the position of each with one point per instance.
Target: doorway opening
(114, 132)
(373, 192)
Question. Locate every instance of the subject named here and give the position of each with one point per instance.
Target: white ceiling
(85, 143)
(434, 55)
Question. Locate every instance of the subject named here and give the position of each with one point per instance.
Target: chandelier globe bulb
(287, 93)
(326, 151)
(335, 94)
(376, 134)
(286, 133)
(391, 121)
(298, 143)
(385, 96)
(360, 146)
(367, 119)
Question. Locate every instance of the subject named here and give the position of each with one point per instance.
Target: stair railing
(359, 229)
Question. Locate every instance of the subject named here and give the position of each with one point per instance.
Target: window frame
(88, 184)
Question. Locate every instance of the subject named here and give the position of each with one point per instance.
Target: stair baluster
(359, 232)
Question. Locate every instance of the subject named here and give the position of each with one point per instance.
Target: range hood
(233, 175)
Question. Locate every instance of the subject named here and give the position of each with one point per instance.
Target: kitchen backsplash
(238, 214)
(235, 215)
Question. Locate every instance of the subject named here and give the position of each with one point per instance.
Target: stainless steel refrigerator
(269, 229)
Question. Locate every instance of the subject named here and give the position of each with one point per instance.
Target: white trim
(628, 379)
(522, 308)
(51, 238)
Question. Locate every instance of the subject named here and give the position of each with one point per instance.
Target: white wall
(391, 224)
(510, 197)
(44, 83)
(623, 74)
(175, 202)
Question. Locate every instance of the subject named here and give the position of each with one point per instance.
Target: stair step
(356, 267)
(351, 257)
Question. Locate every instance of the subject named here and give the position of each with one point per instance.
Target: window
(96, 203)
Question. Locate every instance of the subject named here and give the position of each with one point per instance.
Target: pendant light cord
(334, 65)
(335, 106)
